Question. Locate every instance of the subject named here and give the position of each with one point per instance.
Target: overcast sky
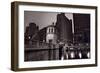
(42, 19)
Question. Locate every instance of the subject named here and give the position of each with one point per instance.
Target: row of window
(50, 30)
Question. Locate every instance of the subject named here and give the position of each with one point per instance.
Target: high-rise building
(33, 29)
(31, 32)
(64, 28)
(82, 28)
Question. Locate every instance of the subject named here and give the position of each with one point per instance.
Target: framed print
(52, 36)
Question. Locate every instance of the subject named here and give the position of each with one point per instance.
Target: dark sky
(42, 19)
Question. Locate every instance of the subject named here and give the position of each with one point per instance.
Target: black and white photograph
(56, 36)
(53, 36)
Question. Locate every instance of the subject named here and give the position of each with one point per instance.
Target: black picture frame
(15, 35)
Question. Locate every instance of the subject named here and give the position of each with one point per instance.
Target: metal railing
(52, 53)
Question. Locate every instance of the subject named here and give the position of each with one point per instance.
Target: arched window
(52, 30)
(49, 29)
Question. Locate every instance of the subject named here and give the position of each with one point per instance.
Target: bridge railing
(52, 53)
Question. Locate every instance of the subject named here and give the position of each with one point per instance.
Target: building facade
(51, 36)
(64, 28)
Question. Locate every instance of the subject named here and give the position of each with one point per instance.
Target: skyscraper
(64, 28)
(82, 27)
